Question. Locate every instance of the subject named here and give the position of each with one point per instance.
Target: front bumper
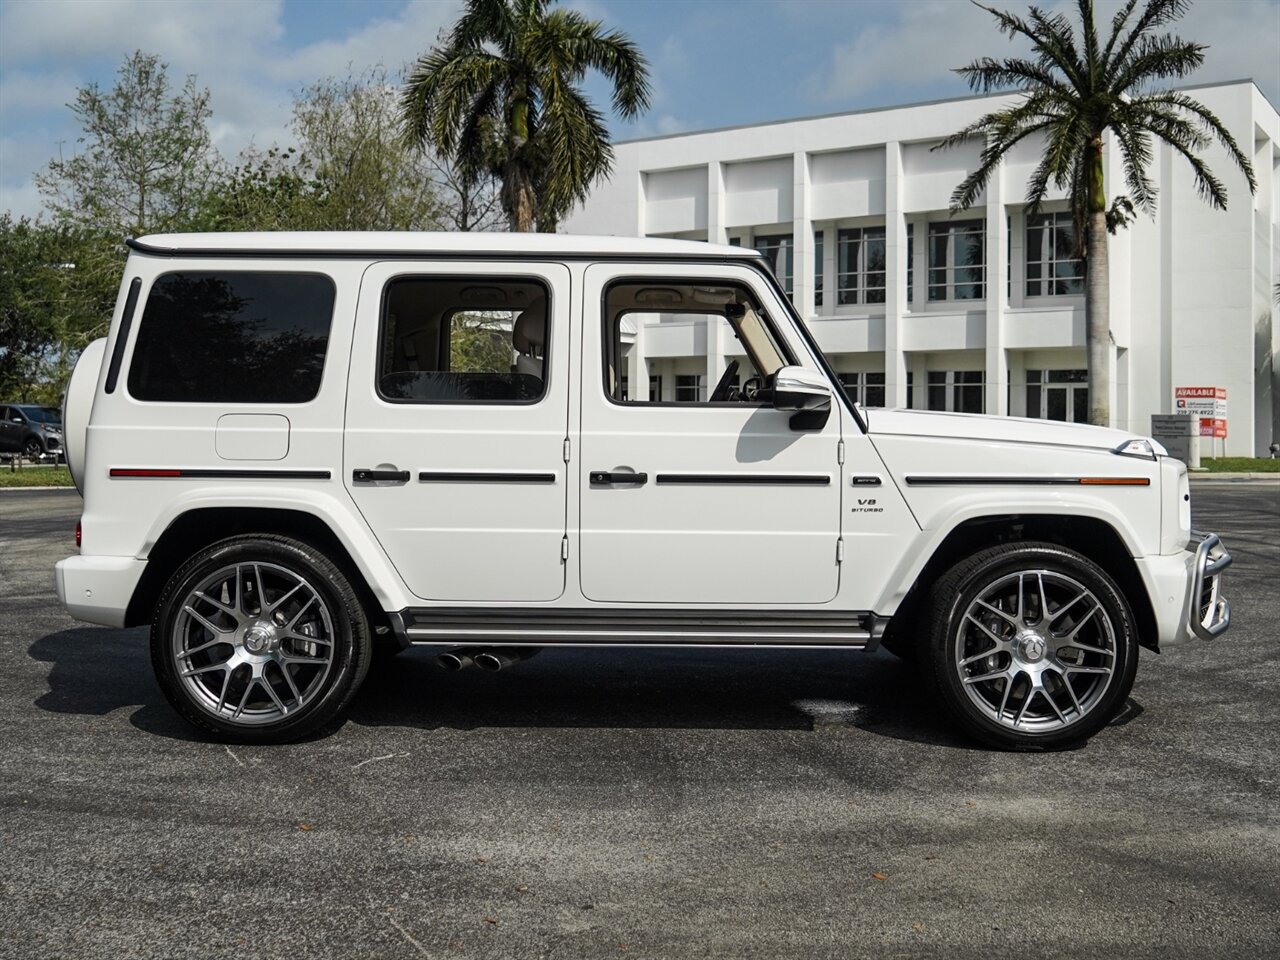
(1208, 612)
(1186, 591)
(98, 589)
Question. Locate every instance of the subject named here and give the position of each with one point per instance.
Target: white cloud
(915, 46)
(239, 51)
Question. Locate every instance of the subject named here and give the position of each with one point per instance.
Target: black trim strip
(446, 476)
(1026, 481)
(163, 473)
(864, 481)
(760, 479)
(122, 335)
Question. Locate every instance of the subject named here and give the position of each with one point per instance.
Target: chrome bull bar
(1208, 612)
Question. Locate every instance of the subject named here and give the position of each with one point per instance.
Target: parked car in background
(30, 430)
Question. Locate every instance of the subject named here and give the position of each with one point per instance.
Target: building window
(860, 254)
(817, 268)
(958, 391)
(864, 389)
(779, 251)
(911, 261)
(1052, 271)
(957, 260)
(655, 387)
(690, 388)
(1058, 395)
(911, 385)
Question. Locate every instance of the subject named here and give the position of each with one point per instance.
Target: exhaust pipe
(495, 660)
(456, 659)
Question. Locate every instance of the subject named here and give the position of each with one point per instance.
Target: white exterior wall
(1192, 287)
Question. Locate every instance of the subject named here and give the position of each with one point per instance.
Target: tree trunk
(1097, 293)
(1097, 313)
(517, 198)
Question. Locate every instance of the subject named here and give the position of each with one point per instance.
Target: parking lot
(635, 803)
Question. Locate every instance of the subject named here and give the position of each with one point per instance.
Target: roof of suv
(400, 243)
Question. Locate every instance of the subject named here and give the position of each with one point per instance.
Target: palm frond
(1207, 120)
(1158, 58)
(1154, 15)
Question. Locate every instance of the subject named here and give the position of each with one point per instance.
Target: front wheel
(259, 639)
(33, 449)
(1030, 645)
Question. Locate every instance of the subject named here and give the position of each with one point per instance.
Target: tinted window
(464, 340)
(233, 338)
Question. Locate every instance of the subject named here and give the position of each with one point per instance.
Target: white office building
(983, 311)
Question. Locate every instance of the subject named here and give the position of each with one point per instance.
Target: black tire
(1079, 691)
(33, 449)
(335, 609)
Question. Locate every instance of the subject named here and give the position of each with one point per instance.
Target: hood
(971, 426)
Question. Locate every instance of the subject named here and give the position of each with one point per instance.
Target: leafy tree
(58, 283)
(1077, 90)
(146, 156)
(502, 96)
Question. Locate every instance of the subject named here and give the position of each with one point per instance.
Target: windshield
(42, 414)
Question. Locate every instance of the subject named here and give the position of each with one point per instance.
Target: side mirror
(804, 393)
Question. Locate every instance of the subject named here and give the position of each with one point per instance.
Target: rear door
(457, 405)
(10, 433)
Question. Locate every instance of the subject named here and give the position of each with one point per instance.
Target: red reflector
(145, 473)
(1115, 481)
(78, 533)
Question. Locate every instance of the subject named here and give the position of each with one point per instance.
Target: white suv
(296, 447)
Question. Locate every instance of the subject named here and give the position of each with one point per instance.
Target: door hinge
(566, 449)
(840, 451)
(564, 547)
(840, 550)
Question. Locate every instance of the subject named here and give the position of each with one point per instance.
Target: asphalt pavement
(659, 804)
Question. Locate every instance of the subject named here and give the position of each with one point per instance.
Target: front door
(703, 494)
(457, 407)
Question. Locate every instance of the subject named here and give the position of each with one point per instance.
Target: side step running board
(506, 626)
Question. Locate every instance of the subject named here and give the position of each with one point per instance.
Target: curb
(1203, 476)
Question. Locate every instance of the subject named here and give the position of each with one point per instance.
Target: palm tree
(501, 96)
(1075, 92)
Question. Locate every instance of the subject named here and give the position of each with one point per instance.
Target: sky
(714, 63)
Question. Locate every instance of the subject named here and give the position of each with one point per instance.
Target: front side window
(721, 313)
(464, 340)
(233, 337)
(957, 260)
(1052, 270)
(861, 265)
(780, 252)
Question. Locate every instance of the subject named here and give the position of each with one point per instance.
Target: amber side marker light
(1115, 481)
(78, 534)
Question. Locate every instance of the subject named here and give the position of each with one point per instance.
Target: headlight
(1138, 447)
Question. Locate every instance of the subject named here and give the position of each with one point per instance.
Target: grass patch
(1240, 464)
(31, 476)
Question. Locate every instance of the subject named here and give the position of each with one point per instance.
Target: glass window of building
(860, 264)
(1052, 270)
(957, 391)
(817, 268)
(864, 389)
(779, 250)
(690, 387)
(957, 260)
(911, 260)
(1058, 395)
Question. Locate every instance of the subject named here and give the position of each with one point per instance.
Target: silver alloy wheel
(253, 643)
(1035, 651)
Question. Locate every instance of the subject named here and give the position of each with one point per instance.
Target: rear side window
(233, 337)
(464, 340)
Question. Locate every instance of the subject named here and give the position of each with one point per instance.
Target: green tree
(145, 160)
(502, 95)
(58, 283)
(1075, 91)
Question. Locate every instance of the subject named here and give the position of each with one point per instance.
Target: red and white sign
(1207, 403)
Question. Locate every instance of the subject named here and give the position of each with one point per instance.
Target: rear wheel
(1029, 646)
(259, 638)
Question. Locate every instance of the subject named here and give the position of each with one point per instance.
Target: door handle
(605, 477)
(373, 476)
